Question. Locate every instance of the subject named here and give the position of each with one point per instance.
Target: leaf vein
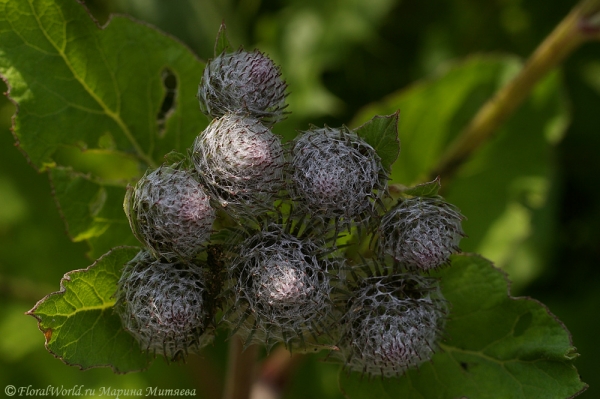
(114, 115)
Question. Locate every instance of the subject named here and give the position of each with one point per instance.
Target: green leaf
(222, 42)
(78, 321)
(429, 189)
(92, 211)
(514, 176)
(82, 202)
(381, 133)
(115, 233)
(100, 88)
(124, 90)
(504, 189)
(434, 111)
(497, 346)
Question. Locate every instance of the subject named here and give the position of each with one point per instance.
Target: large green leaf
(504, 189)
(497, 346)
(507, 189)
(78, 321)
(434, 111)
(125, 89)
(77, 84)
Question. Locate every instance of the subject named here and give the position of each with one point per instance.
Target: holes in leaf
(167, 107)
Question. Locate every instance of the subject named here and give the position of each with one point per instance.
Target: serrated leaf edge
(510, 297)
(522, 298)
(67, 278)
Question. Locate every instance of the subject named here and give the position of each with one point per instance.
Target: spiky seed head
(421, 233)
(392, 323)
(336, 174)
(281, 287)
(165, 305)
(243, 82)
(170, 212)
(240, 160)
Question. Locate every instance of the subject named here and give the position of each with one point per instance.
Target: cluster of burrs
(257, 235)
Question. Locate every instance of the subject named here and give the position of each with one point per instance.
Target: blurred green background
(338, 57)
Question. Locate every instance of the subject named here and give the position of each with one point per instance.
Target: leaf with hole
(124, 87)
(111, 101)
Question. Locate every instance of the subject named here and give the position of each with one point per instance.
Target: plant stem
(275, 374)
(241, 369)
(580, 25)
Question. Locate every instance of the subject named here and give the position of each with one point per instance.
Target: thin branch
(580, 25)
